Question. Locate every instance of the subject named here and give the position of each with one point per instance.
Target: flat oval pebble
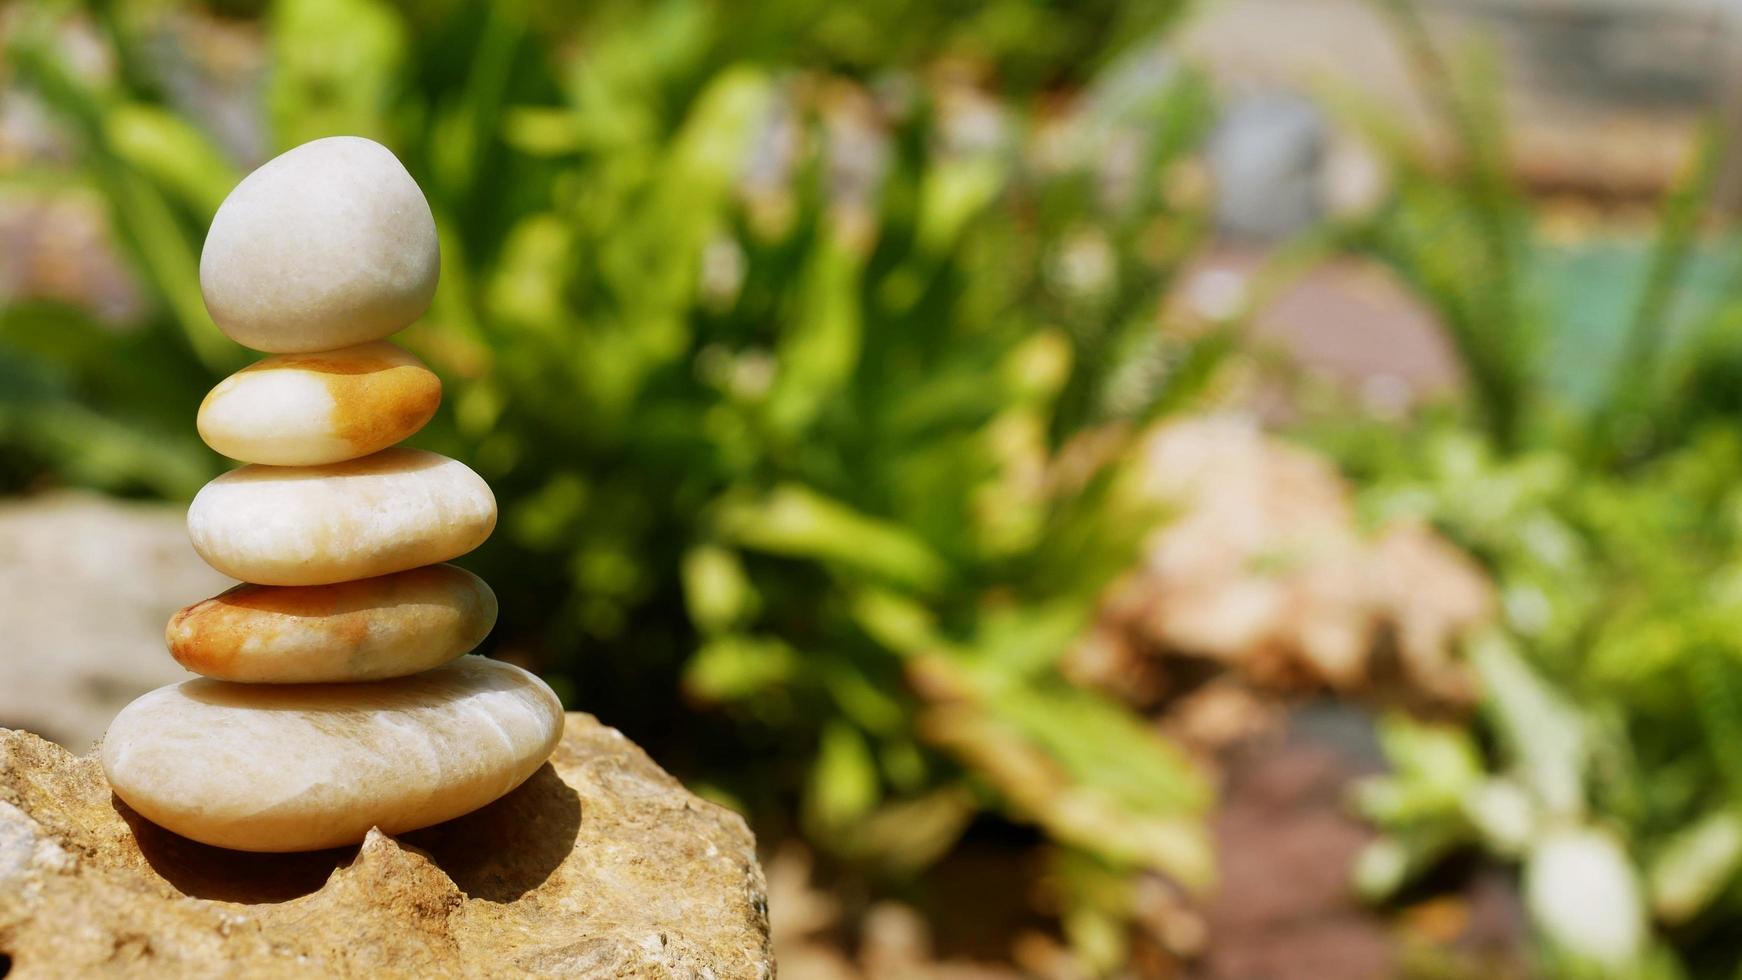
(315, 525)
(273, 767)
(366, 630)
(310, 409)
(327, 245)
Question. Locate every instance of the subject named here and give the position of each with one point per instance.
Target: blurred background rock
(88, 584)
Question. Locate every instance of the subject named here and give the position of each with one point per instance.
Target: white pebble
(327, 245)
(315, 525)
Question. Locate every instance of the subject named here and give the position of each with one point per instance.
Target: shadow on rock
(222, 875)
(497, 853)
(504, 850)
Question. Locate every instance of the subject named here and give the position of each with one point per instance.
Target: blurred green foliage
(1608, 508)
(768, 342)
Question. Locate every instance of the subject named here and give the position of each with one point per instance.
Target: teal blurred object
(1586, 283)
(768, 345)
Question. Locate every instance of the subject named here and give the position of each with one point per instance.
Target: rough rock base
(602, 865)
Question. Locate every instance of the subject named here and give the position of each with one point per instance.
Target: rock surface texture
(600, 865)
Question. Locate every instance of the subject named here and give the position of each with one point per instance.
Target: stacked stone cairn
(337, 694)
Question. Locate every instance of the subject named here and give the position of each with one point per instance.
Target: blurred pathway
(1605, 96)
(86, 585)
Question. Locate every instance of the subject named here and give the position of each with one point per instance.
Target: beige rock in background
(86, 584)
(1264, 568)
(601, 865)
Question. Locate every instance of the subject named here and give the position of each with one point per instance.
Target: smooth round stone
(327, 245)
(315, 525)
(272, 767)
(366, 630)
(309, 409)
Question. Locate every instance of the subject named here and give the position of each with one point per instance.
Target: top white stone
(327, 245)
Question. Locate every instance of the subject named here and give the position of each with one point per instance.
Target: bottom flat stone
(292, 768)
